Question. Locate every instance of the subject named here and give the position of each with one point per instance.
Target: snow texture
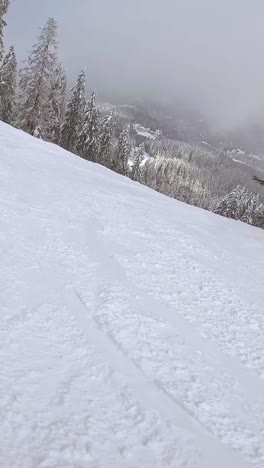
(146, 132)
(131, 324)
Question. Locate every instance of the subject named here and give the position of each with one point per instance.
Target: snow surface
(131, 324)
(146, 132)
(241, 162)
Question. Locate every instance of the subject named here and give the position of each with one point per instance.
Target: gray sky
(209, 52)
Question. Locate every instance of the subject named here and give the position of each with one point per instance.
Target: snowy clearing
(131, 324)
(146, 132)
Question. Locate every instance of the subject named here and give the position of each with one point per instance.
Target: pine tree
(36, 80)
(258, 216)
(74, 115)
(106, 137)
(57, 104)
(38, 133)
(88, 144)
(148, 173)
(242, 205)
(243, 201)
(233, 204)
(250, 208)
(120, 161)
(8, 75)
(136, 172)
(4, 4)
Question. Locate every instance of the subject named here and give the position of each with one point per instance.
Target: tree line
(35, 99)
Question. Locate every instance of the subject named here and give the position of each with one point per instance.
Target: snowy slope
(131, 324)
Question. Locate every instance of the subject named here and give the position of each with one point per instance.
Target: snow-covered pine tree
(258, 216)
(149, 174)
(120, 161)
(244, 199)
(136, 172)
(36, 80)
(8, 76)
(4, 4)
(57, 103)
(242, 205)
(74, 115)
(38, 133)
(105, 138)
(250, 208)
(88, 144)
(233, 204)
(222, 206)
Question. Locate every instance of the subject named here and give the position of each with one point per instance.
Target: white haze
(208, 53)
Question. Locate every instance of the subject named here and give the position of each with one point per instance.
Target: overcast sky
(208, 52)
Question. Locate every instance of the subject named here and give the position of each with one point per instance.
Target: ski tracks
(114, 324)
(150, 395)
(151, 392)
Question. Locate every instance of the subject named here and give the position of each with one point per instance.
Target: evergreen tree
(57, 103)
(88, 144)
(136, 172)
(4, 4)
(243, 202)
(258, 216)
(120, 162)
(233, 205)
(8, 75)
(74, 115)
(106, 137)
(38, 133)
(242, 205)
(36, 80)
(250, 208)
(148, 173)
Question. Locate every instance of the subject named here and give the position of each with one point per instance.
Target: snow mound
(131, 324)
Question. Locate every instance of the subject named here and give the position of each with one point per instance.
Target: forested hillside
(147, 144)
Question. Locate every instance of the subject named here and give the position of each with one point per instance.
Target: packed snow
(131, 324)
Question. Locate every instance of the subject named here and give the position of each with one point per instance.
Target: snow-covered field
(132, 325)
(146, 132)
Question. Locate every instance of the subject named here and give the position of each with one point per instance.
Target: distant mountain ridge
(178, 122)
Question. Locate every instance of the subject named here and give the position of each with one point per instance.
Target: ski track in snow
(131, 324)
